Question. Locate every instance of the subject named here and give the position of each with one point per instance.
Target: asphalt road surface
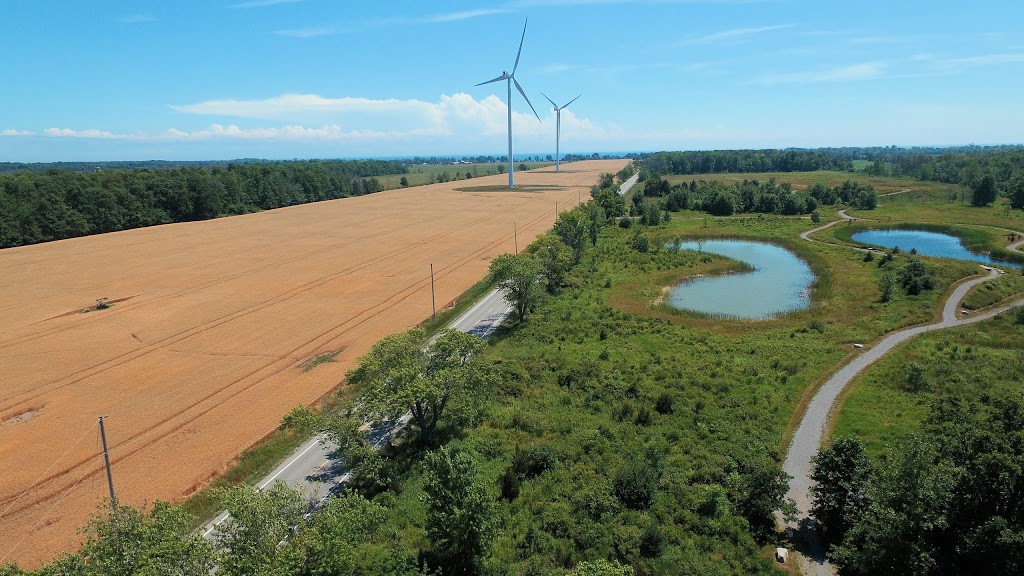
(312, 468)
(625, 186)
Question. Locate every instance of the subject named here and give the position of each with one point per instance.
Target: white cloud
(90, 133)
(262, 3)
(292, 105)
(311, 32)
(854, 72)
(453, 118)
(733, 35)
(465, 15)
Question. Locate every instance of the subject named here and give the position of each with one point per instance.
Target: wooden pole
(106, 459)
(433, 301)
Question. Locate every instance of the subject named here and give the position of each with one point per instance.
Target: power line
(45, 472)
(47, 513)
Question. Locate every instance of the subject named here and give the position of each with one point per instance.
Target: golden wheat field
(200, 354)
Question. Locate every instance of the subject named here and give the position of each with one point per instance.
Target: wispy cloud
(852, 73)
(136, 19)
(465, 15)
(312, 32)
(262, 3)
(555, 68)
(15, 133)
(986, 60)
(733, 35)
(290, 105)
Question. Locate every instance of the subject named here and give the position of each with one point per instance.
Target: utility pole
(556, 209)
(106, 459)
(433, 302)
(515, 236)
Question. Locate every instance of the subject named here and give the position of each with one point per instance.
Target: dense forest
(719, 161)
(56, 204)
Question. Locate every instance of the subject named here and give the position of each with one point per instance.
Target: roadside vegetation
(603, 432)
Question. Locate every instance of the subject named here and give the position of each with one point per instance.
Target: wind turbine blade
(570, 102)
(549, 100)
(516, 65)
(520, 88)
(498, 79)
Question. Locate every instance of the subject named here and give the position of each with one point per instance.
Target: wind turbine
(558, 127)
(509, 80)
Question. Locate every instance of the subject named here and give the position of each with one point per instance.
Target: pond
(779, 283)
(928, 244)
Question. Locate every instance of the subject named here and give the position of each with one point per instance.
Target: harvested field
(210, 326)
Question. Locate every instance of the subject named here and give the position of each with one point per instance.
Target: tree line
(58, 204)
(747, 197)
(721, 161)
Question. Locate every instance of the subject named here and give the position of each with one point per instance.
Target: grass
(995, 291)
(968, 362)
(320, 359)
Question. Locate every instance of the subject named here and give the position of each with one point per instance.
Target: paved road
(808, 436)
(625, 186)
(313, 470)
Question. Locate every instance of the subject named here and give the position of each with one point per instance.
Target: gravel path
(809, 434)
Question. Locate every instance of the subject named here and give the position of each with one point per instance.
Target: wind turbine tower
(558, 127)
(509, 80)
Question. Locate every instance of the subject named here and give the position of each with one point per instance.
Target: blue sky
(148, 79)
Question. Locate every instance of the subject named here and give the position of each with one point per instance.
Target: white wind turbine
(558, 127)
(509, 80)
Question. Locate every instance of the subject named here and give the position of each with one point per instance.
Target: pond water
(928, 244)
(780, 282)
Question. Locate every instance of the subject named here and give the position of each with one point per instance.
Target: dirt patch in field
(202, 363)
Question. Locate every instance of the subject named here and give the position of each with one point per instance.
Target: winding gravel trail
(809, 434)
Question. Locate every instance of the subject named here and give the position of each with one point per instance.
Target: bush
(626, 223)
(663, 404)
(641, 243)
(914, 277)
(635, 483)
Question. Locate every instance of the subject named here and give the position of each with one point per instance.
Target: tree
(404, 372)
(403, 182)
(555, 260)
(909, 500)
(914, 277)
(572, 226)
(841, 474)
(611, 202)
(597, 219)
(259, 521)
(1015, 190)
(984, 193)
(516, 275)
(885, 285)
(129, 541)
(501, 168)
(461, 515)
(342, 540)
